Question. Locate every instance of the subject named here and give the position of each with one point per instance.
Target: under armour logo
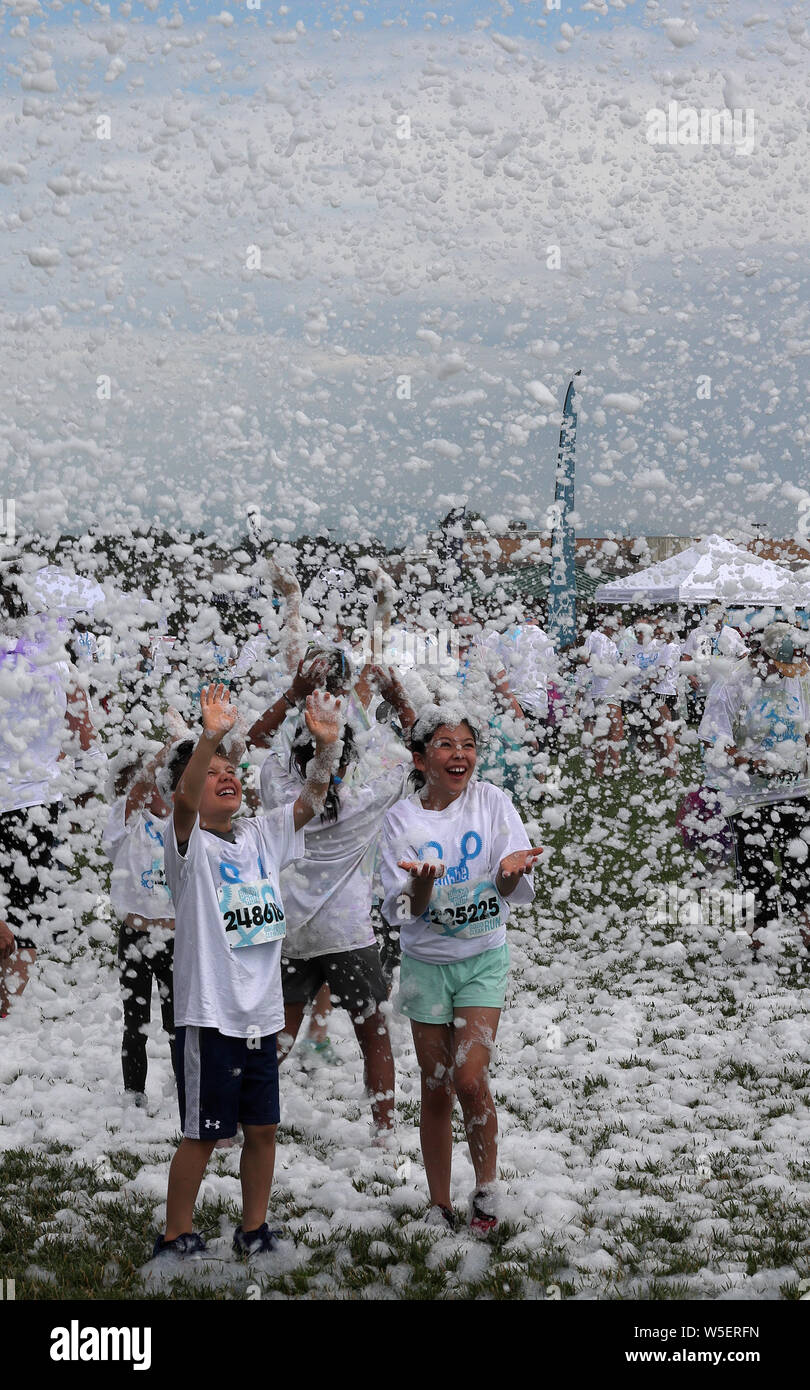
(212, 1124)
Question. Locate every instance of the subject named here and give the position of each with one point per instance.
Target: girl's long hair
(301, 755)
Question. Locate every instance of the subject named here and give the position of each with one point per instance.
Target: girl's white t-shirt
(327, 896)
(135, 847)
(466, 914)
(229, 923)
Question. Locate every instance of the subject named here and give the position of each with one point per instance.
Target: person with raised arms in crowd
(600, 681)
(756, 736)
(44, 715)
(652, 689)
(133, 841)
(485, 691)
(223, 874)
(711, 651)
(328, 895)
(455, 856)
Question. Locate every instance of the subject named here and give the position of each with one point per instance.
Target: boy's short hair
(181, 757)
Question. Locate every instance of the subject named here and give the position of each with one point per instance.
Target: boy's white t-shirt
(217, 983)
(327, 895)
(466, 914)
(135, 847)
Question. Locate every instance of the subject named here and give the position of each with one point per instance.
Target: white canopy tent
(712, 570)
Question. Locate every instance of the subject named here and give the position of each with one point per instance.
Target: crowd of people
(322, 813)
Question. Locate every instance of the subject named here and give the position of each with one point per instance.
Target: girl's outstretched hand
(521, 862)
(324, 716)
(427, 869)
(218, 714)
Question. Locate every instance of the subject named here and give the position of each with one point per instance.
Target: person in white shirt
(454, 856)
(653, 688)
(229, 925)
(600, 680)
(756, 736)
(711, 651)
(43, 713)
(487, 694)
(328, 895)
(133, 841)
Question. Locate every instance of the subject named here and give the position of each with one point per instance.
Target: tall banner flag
(451, 548)
(561, 622)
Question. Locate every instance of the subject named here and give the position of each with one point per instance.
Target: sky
(340, 262)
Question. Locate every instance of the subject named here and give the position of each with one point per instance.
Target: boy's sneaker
(260, 1242)
(483, 1214)
(443, 1217)
(186, 1246)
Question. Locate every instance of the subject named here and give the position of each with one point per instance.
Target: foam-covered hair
(431, 717)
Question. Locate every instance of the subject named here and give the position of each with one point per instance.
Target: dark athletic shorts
(355, 979)
(28, 834)
(222, 1081)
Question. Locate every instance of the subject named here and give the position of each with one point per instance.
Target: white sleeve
(178, 866)
(394, 846)
(274, 782)
(279, 835)
(116, 829)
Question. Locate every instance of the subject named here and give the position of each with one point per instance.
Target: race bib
(465, 910)
(153, 880)
(250, 914)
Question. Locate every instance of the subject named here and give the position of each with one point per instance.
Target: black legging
(139, 958)
(759, 831)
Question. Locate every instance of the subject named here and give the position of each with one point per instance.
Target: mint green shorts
(431, 993)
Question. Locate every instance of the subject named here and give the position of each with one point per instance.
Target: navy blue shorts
(223, 1080)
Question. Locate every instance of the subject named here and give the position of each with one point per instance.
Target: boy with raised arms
(223, 875)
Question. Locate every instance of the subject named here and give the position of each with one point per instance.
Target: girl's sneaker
(260, 1242)
(320, 1052)
(186, 1246)
(443, 1217)
(483, 1214)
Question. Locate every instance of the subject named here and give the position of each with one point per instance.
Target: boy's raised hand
(218, 714)
(324, 716)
